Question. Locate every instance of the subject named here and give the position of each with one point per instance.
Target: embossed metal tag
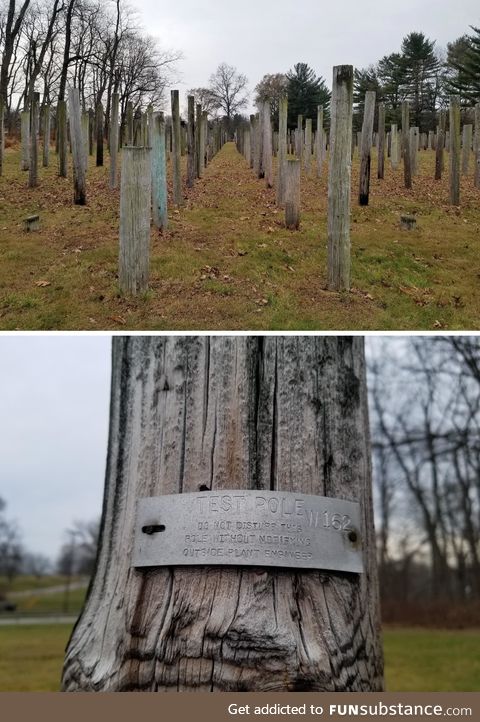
(249, 528)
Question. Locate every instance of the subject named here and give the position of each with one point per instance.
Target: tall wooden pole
(135, 201)
(339, 179)
(218, 414)
(46, 119)
(466, 147)
(159, 173)
(113, 140)
(395, 149)
(62, 138)
(366, 148)
(320, 141)
(476, 147)
(34, 122)
(407, 159)
(177, 151)
(455, 150)
(267, 145)
(99, 125)
(25, 139)
(308, 145)
(381, 141)
(282, 149)
(292, 194)
(191, 145)
(440, 145)
(78, 150)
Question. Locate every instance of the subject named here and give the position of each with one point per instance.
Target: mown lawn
(227, 263)
(416, 660)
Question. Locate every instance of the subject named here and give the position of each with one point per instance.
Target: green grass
(227, 251)
(27, 582)
(51, 603)
(416, 659)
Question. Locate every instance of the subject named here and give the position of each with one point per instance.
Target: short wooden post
(308, 145)
(191, 150)
(381, 141)
(467, 147)
(320, 141)
(394, 147)
(159, 173)
(477, 147)
(78, 153)
(440, 145)
(62, 138)
(366, 148)
(339, 180)
(292, 194)
(282, 150)
(113, 140)
(130, 123)
(99, 121)
(267, 145)
(135, 200)
(407, 167)
(25, 130)
(177, 151)
(34, 122)
(455, 150)
(46, 118)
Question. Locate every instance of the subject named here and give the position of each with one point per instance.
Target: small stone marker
(408, 223)
(31, 224)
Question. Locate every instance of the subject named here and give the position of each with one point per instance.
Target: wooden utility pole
(476, 147)
(78, 148)
(455, 150)
(339, 179)
(191, 145)
(282, 149)
(381, 141)
(407, 158)
(135, 203)
(366, 147)
(113, 140)
(199, 415)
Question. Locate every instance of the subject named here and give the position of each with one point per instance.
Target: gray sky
(269, 36)
(54, 397)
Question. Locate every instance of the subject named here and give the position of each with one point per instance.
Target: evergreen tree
(463, 67)
(305, 93)
(391, 76)
(421, 77)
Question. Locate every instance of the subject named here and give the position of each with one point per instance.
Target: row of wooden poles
(82, 129)
(259, 144)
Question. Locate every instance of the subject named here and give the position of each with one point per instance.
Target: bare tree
(11, 550)
(228, 86)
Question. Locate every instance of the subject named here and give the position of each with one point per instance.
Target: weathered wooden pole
(300, 138)
(247, 145)
(292, 194)
(91, 131)
(113, 139)
(62, 138)
(25, 138)
(267, 145)
(177, 151)
(252, 141)
(2, 133)
(440, 145)
(407, 167)
(135, 201)
(339, 179)
(130, 124)
(282, 150)
(259, 146)
(366, 147)
(201, 142)
(381, 141)
(86, 125)
(99, 125)
(414, 150)
(320, 141)
(34, 123)
(78, 151)
(455, 150)
(466, 147)
(191, 146)
(159, 173)
(308, 145)
(395, 149)
(198, 126)
(46, 121)
(476, 157)
(218, 417)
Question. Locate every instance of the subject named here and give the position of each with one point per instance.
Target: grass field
(226, 261)
(26, 582)
(416, 660)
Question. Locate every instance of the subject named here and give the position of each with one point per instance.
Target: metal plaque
(248, 528)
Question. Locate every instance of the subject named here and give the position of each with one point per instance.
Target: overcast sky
(270, 36)
(54, 406)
